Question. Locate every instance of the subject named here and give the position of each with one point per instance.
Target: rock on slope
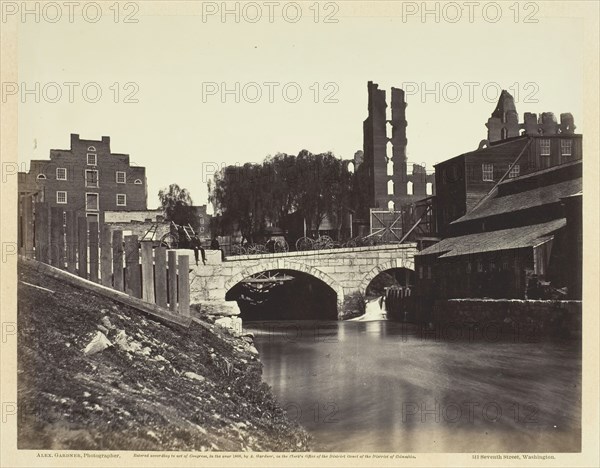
(149, 386)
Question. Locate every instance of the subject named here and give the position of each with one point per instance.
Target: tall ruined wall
(384, 174)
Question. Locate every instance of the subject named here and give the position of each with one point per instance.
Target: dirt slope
(157, 387)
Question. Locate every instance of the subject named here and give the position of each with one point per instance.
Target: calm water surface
(382, 386)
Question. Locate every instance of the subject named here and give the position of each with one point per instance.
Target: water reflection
(377, 386)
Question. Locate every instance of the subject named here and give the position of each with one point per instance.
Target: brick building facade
(87, 178)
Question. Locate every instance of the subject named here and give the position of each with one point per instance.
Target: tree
(177, 205)
(323, 189)
(239, 194)
(249, 197)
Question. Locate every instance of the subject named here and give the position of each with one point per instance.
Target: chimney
(74, 139)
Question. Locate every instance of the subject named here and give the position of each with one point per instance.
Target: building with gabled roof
(508, 213)
(527, 228)
(87, 178)
(511, 150)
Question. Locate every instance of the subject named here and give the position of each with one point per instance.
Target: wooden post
(173, 280)
(41, 232)
(82, 252)
(94, 260)
(133, 285)
(160, 275)
(21, 224)
(184, 284)
(71, 242)
(57, 238)
(27, 226)
(117, 248)
(105, 256)
(147, 272)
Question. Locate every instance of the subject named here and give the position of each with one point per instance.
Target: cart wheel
(237, 249)
(304, 243)
(323, 242)
(260, 249)
(281, 246)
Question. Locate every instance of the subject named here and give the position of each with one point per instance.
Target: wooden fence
(68, 241)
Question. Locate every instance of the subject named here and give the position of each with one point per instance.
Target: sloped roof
(508, 147)
(504, 239)
(523, 200)
(538, 173)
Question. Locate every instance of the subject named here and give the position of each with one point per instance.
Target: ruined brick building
(509, 213)
(383, 177)
(512, 149)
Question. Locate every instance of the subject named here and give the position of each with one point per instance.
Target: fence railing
(67, 240)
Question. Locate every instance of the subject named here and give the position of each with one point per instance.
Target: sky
(176, 65)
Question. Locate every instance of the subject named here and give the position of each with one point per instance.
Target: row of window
(91, 177)
(566, 147)
(91, 200)
(487, 171)
(452, 174)
(409, 188)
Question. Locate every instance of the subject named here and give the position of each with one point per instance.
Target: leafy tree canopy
(251, 196)
(177, 205)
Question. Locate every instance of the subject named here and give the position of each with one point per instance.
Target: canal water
(382, 386)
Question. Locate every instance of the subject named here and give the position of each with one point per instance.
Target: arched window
(388, 150)
(390, 187)
(350, 167)
(137, 182)
(391, 205)
(429, 188)
(388, 129)
(409, 188)
(390, 167)
(91, 148)
(41, 176)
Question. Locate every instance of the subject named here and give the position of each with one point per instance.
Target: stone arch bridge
(347, 271)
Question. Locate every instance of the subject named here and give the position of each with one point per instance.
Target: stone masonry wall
(527, 317)
(347, 271)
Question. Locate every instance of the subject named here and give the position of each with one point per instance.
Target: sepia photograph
(309, 233)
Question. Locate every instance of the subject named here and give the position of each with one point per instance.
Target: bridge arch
(284, 264)
(395, 263)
